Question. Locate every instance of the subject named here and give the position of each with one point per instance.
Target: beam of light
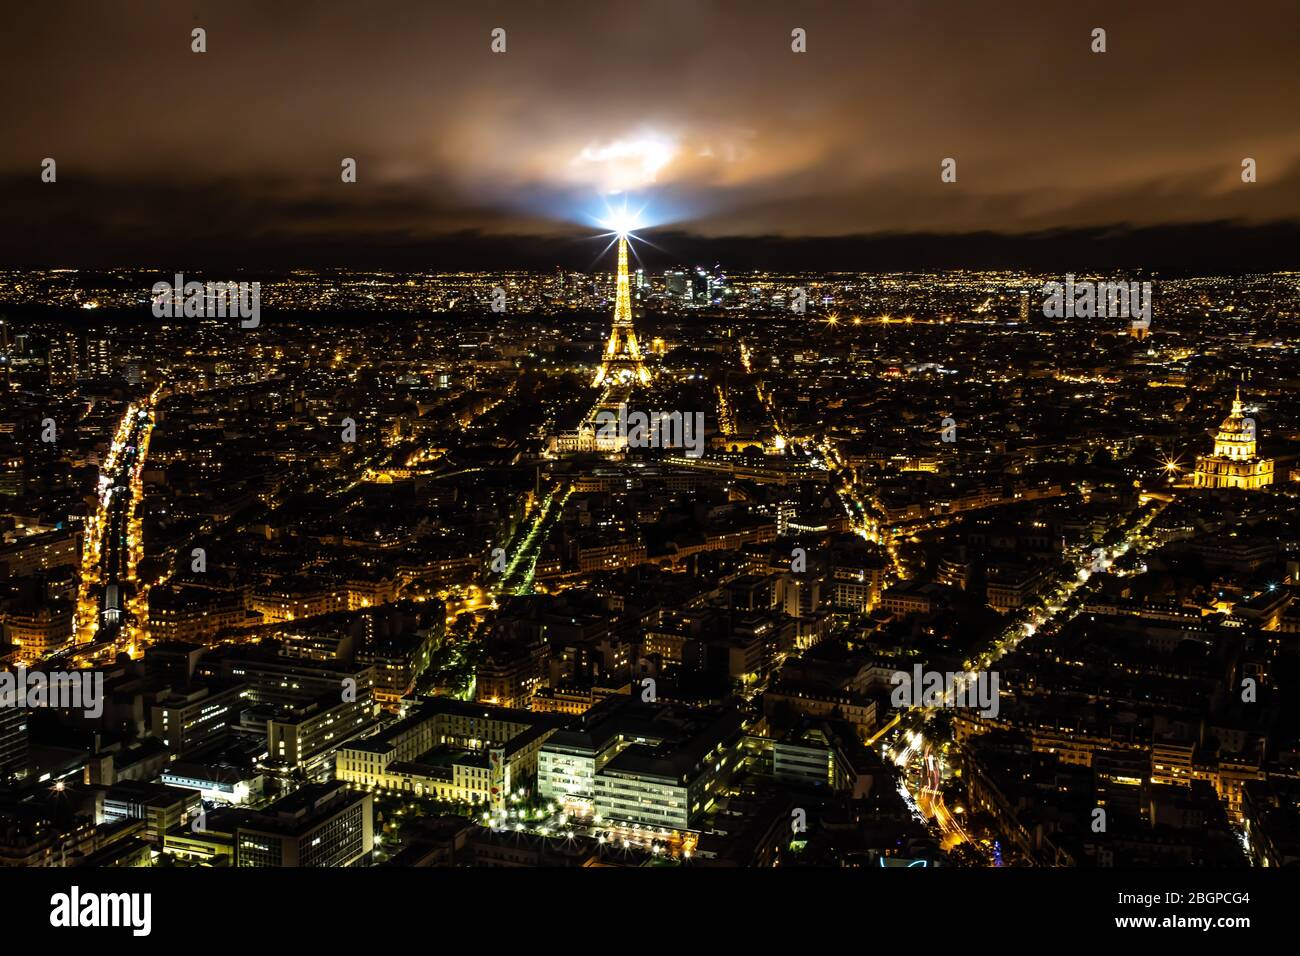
(623, 223)
(622, 219)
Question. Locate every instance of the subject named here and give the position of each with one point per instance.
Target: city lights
(645, 438)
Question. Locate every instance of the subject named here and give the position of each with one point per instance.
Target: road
(112, 545)
(905, 744)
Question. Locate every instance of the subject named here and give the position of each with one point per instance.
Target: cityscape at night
(667, 436)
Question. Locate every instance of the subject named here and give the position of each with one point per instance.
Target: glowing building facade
(1235, 462)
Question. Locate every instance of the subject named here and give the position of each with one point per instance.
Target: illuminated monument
(1234, 463)
(622, 367)
(622, 361)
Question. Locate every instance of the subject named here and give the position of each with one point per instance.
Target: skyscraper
(99, 357)
(64, 358)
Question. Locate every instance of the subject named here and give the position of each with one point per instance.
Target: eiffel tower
(622, 363)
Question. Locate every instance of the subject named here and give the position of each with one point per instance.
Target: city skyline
(794, 444)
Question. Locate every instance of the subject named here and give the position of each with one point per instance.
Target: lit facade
(1235, 462)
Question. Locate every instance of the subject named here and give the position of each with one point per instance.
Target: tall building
(622, 361)
(64, 358)
(6, 351)
(99, 357)
(1235, 462)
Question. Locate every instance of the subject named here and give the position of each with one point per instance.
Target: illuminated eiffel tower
(622, 363)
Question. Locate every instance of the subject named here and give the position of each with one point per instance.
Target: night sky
(738, 150)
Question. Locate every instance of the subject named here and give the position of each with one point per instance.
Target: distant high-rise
(675, 283)
(6, 356)
(64, 358)
(99, 358)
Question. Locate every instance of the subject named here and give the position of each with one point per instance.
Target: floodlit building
(1235, 462)
(643, 765)
(450, 750)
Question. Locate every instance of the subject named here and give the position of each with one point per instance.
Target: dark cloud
(701, 108)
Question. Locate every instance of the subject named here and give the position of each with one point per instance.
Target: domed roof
(1235, 423)
(1236, 438)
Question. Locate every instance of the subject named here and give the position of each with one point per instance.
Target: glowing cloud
(623, 164)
